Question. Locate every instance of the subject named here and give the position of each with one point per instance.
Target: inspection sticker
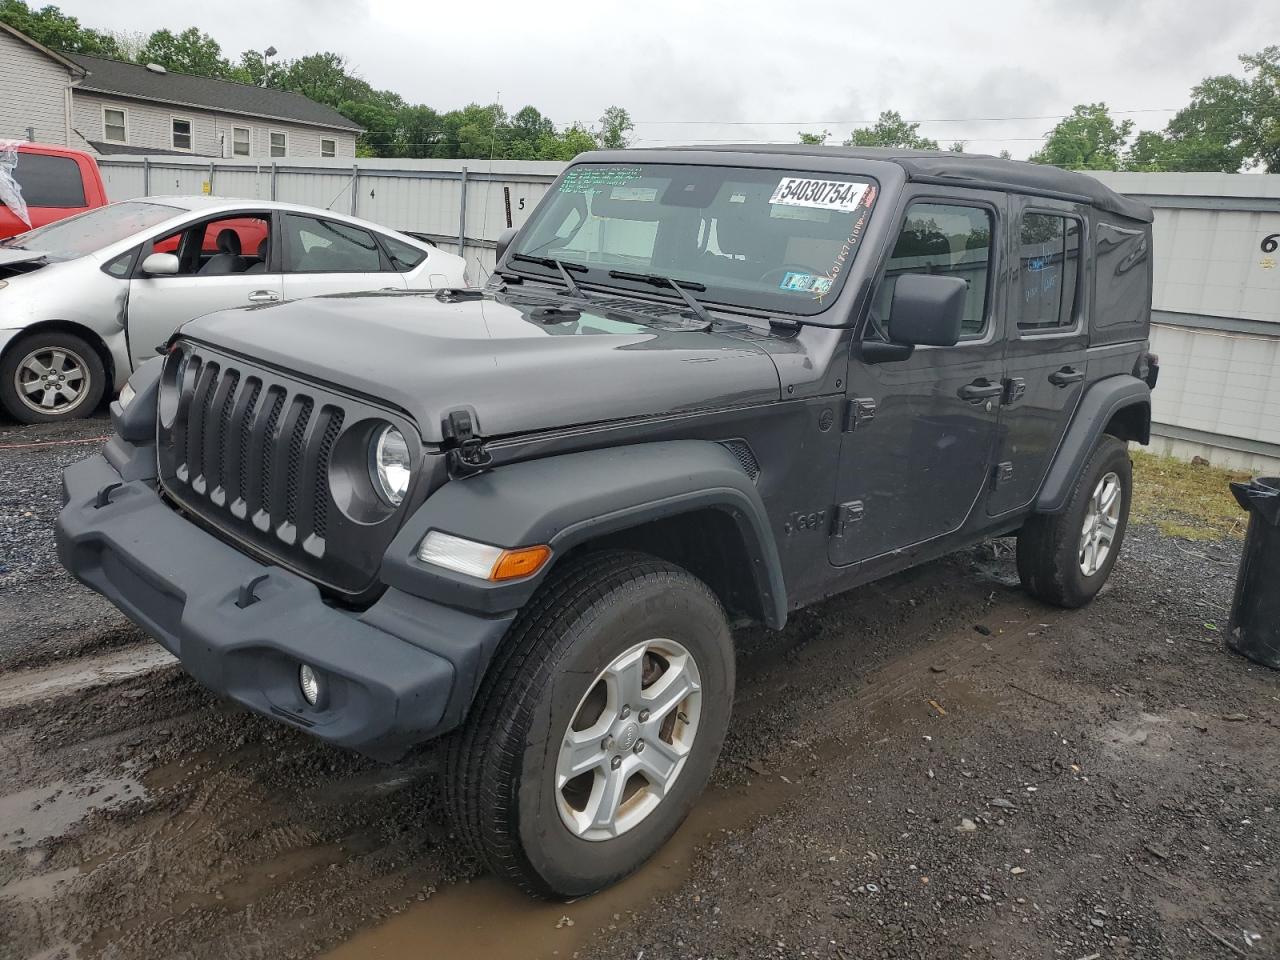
(827, 194)
(805, 283)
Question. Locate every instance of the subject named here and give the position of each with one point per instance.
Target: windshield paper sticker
(805, 283)
(826, 194)
(584, 178)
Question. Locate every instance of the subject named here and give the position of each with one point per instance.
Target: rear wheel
(597, 727)
(1065, 558)
(46, 377)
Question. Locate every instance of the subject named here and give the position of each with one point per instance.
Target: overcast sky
(694, 71)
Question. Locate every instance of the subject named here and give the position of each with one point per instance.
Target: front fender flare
(569, 499)
(1100, 403)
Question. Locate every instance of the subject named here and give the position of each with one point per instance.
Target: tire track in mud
(251, 839)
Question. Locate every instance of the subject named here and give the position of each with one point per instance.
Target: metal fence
(461, 205)
(1216, 306)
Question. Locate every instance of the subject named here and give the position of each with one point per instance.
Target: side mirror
(160, 265)
(927, 310)
(504, 241)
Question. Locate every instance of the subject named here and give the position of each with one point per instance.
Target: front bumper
(401, 672)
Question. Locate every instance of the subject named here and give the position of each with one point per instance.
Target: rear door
(329, 256)
(916, 453)
(1048, 340)
(158, 305)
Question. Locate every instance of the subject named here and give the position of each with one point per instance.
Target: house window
(181, 133)
(240, 142)
(279, 143)
(114, 126)
(328, 148)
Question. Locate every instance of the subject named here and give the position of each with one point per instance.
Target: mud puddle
(37, 813)
(21, 687)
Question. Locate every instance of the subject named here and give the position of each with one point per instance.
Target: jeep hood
(518, 367)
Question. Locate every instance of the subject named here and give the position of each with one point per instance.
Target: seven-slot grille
(256, 449)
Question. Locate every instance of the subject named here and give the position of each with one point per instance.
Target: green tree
(57, 30)
(890, 130)
(567, 144)
(324, 78)
(957, 146)
(1088, 139)
(615, 125)
(814, 139)
(257, 68)
(187, 52)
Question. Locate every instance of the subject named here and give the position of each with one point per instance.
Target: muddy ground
(934, 767)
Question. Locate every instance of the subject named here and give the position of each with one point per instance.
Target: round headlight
(390, 467)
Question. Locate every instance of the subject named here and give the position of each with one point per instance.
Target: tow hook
(468, 455)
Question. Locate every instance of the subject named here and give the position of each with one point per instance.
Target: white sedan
(83, 301)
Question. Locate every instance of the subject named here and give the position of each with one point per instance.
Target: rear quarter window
(49, 181)
(1122, 276)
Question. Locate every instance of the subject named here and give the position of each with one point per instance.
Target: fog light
(309, 682)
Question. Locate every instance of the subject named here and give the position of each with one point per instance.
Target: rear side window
(403, 256)
(1049, 262)
(49, 181)
(948, 240)
(313, 245)
(1122, 276)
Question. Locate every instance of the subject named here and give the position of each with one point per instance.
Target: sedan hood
(521, 363)
(12, 255)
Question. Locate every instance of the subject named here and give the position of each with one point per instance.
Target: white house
(112, 107)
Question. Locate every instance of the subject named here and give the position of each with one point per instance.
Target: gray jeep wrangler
(703, 387)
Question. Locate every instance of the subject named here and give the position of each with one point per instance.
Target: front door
(1047, 351)
(916, 455)
(223, 262)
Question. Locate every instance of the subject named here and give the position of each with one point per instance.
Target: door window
(313, 245)
(403, 256)
(228, 245)
(1049, 261)
(948, 240)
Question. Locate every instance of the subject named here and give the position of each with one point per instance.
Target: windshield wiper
(564, 268)
(681, 287)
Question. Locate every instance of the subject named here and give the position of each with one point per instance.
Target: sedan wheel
(51, 375)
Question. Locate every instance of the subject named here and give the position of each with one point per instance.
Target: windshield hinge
(859, 410)
(468, 455)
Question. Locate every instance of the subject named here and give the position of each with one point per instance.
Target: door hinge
(846, 514)
(468, 455)
(858, 411)
(1015, 388)
(1002, 474)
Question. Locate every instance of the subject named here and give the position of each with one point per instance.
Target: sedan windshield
(92, 230)
(778, 240)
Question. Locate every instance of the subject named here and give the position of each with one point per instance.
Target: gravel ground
(934, 766)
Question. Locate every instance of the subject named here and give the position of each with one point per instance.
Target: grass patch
(1187, 500)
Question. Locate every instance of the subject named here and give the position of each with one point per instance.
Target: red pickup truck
(56, 182)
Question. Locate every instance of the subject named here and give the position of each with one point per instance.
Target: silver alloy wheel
(52, 380)
(628, 740)
(1100, 523)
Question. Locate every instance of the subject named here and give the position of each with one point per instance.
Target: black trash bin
(1254, 629)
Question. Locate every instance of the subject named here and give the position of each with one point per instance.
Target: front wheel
(51, 376)
(1064, 558)
(597, 727)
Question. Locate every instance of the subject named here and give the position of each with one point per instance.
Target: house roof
(52, 54)
(132, 80)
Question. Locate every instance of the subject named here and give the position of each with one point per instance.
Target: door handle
(980, 389)
(264, 296)
(1066, 376)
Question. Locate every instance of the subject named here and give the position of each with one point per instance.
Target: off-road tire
(501, 764)
(86, 356)
(1049, 544)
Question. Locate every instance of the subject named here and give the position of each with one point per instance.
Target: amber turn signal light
(520, 563)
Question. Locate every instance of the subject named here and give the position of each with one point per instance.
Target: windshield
(778, 240)
(92, 230)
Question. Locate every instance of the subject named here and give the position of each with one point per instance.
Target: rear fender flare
(1100, 403)
(565, 501)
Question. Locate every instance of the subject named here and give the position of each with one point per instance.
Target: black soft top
(961, 169)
